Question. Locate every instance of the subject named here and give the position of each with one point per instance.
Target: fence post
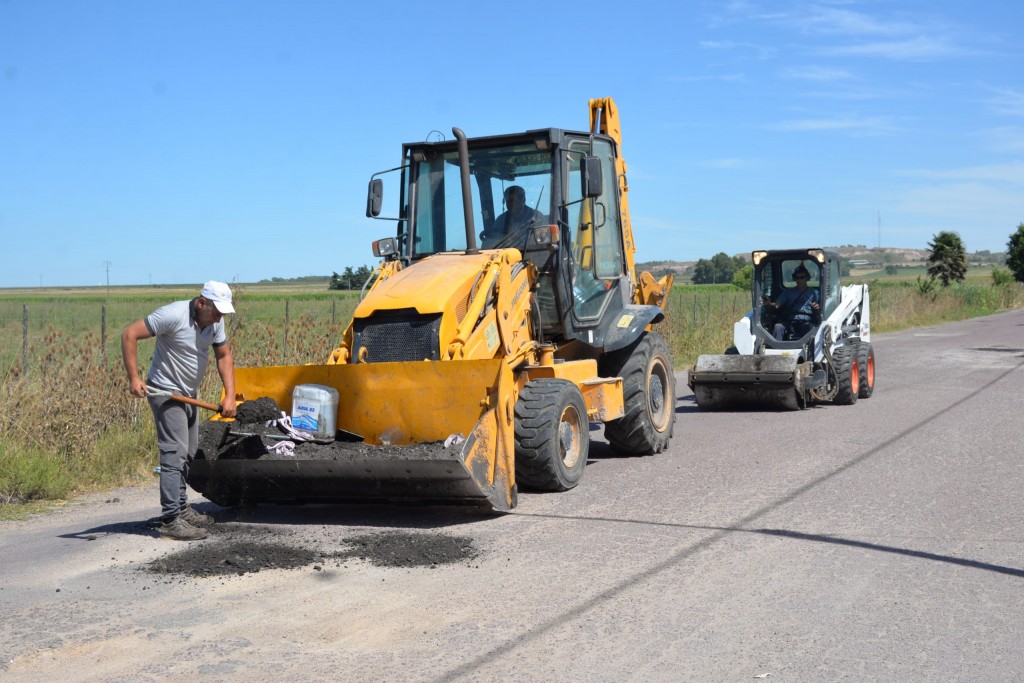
(24, 338)
(103, 334)
(286, 318)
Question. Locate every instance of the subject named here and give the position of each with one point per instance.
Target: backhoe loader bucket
(404, 413)
(743, 381)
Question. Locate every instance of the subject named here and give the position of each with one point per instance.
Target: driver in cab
(797, 309)
(517, 216)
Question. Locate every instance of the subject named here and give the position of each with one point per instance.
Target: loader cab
(774, 282)
(551, 194)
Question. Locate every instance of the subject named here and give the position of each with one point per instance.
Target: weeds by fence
(67, 422)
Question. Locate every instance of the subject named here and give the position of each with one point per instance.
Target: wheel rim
(854, 377)
(871, 371)
(658, 401)
(569, 436)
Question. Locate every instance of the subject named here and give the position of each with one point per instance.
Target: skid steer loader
(776, 362)
(489, 337)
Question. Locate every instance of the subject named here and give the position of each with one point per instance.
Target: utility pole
(107, 264)
(879, 243)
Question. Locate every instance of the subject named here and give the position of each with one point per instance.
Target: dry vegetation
(68, 425)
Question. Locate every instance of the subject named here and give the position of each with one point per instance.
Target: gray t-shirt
(182, 349)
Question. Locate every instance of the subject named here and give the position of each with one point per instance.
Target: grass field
(67, 423)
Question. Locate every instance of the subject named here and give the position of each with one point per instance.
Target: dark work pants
(177, 438)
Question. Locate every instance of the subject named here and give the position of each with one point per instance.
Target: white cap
(220, 294)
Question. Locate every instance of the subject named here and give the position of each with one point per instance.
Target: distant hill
(860, 256)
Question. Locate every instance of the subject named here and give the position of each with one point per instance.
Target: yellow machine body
(440, 427)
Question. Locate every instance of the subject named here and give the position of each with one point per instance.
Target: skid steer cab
(806, 339)
(505, 317)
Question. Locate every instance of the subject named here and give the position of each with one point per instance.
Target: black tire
(845, 359)
(866, 368)
(732, 351)
(649, 393)
(552, 435)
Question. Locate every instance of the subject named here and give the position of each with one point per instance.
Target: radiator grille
(398, 336)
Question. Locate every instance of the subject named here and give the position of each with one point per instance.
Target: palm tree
(948, 260)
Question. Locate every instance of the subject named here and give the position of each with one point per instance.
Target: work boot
(198, 519)
(180, 530)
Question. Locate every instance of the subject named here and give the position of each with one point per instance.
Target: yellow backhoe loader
(505, 316)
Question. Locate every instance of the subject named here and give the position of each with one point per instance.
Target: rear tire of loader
(845, 358)
(866, 366)
(649, 395)
(552, 435)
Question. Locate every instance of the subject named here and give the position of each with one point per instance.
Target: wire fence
(31, 331)
(270, 331)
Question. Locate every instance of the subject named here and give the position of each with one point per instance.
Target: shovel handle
(183, 399)
(194, 402)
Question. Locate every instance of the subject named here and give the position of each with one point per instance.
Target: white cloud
(762, 51)
(1005, 140)
(919, 48)
(830, 21)
(1009, 102)
(726, 164)
(872, 125)
(817, 74)
(725, 78)
(1012, 173)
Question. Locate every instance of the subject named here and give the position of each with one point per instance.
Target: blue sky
(184, 141)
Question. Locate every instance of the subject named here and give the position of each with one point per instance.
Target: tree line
(351, 278)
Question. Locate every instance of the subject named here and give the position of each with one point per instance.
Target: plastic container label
(306, 414)
(315, 409)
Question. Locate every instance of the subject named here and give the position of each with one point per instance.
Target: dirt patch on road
(241, 549)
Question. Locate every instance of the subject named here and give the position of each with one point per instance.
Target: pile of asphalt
(237, 549)
(236, 441)
(262, 409)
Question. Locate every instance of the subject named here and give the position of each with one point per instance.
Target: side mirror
(374, 198)
(591, 177)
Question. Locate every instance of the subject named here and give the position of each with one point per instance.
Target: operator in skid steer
(797, 309)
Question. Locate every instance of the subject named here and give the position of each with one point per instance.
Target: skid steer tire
(845, 359)
(866, 368)
(552, 435)
(649, 394)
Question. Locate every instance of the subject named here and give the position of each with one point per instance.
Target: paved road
(882, 541)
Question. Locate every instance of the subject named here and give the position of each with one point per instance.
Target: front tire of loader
(552, 435)
(849, 376)
(866, 366)
(649, 393)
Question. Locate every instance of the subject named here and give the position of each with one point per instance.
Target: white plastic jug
(315, 409)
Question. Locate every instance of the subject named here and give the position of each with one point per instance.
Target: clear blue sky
(183, 141)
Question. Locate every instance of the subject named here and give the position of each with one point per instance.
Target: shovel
(183, 399)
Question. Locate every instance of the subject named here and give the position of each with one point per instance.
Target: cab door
(595, 231)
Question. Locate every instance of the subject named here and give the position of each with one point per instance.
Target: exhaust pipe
(467, 193)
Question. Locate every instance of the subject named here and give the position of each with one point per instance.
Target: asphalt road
(882, 541)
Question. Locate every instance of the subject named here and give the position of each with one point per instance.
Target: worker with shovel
(184, 331)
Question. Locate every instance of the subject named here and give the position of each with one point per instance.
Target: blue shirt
(796, 305)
